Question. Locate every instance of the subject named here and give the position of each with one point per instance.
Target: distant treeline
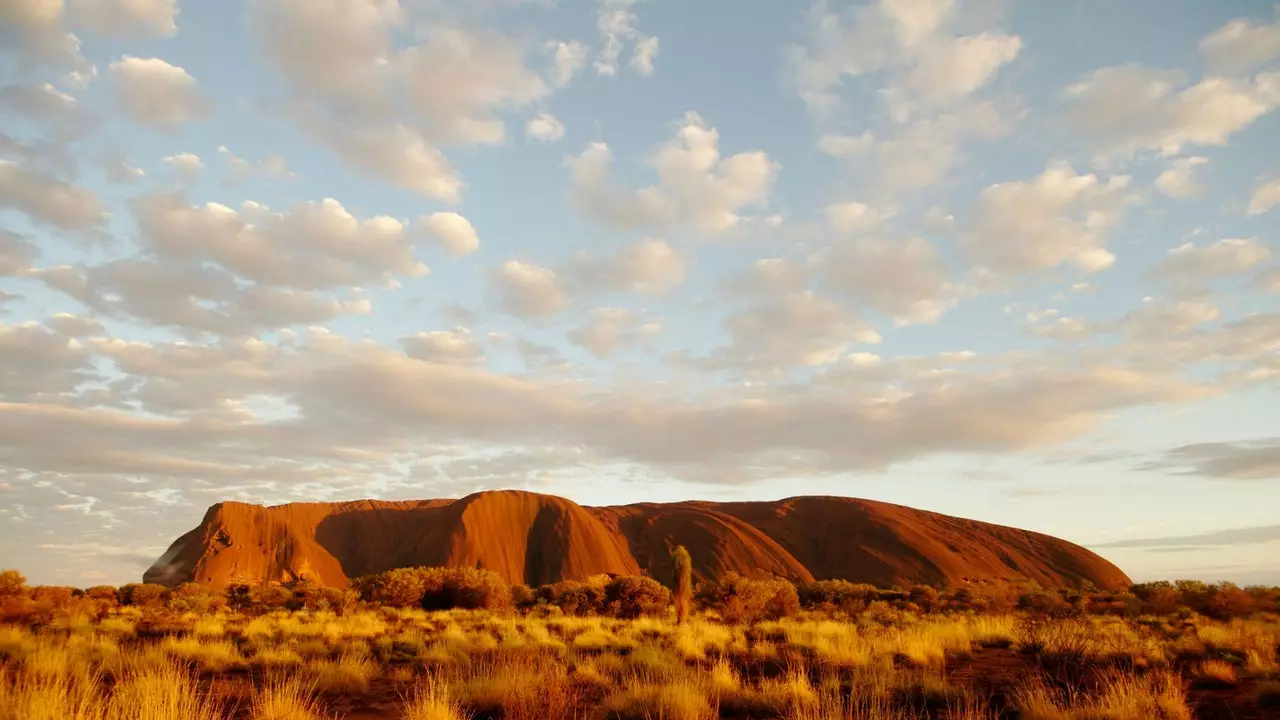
(732, 597)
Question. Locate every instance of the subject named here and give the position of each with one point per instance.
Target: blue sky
(1010, 261)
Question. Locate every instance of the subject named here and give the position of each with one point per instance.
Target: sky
(1013, 261)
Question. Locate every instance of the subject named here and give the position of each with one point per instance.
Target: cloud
(856, 217)
(450, 347)
(528, 290)
(1265, 197)
(1189, 267)
(799, 328)
(845, 146)
(42, 102)
(1268, 280)
(1248, 460)
(1242, 45)
(1234, 536)
(567, 59)
(1177, 181)
(902, 277)
(610, 330)
(188, 165)
(646, 51)
(399, 155)
(1130, 108)
(126, 18)
(544, 126)
(1054, 218)
(16, 253)
(617, 26)
(48, 200)
(696, 186)
(913, 41)
(34, 30)
(158, 94)
(454, 232)
(41, 363)
(240, 169)
(649, 266)
(315, 245)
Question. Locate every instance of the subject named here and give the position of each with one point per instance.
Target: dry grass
(454, 665)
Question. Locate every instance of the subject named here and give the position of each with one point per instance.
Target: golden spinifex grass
(451, 665)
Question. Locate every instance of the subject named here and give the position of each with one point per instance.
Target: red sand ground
(535, 539)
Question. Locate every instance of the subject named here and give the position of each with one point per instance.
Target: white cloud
(48, 200)
(158, 94)
(453, 231)
(1178, 181)
(1160, 320)
(35, 31)
(646, 51)
(610, 330)
(1241, 45)
(188, 165)
(855, 217)
(528, 290)
(313, 246)
(1056, 217)
(649, 266)
(1265, 197)
(400, 156)
(567, 59)
(696, 186)
(1130, 108)
(1191, 266)
(922, 152)
(458, 80)
(617, 26)
(449, 347)
(904, 278)
(41, 102)
(126, 18)
(544, 126)
(800, 328)
(915, 41)
(844, 146)
(16, 253)
(241, 169)
(1267, 280)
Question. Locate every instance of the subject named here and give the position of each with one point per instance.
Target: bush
(573, 597)
(103, 593)
(142, 594)
(193, 597)
(12, 584)
(52, 595)
(740, 600)
(468, 588)
(631, 597)
(523, 596)
(836, 594)
(435, 588)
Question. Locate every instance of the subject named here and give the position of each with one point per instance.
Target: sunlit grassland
(408, 663)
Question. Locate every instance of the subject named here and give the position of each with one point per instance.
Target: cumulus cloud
(528, 290)
(188, 165)
(610, 330)
(48, 200)
(1131, 108)
(1189, 267)
(649, 266)
(696, 186)
(16, 253)
(1265, 197)
(915, 42)
(845, 146)
(1178, 180)
(1057, 217)
(617, 26)
(453, 231)
(315, 245)
(158, 94)
(798, 328)
(43, 102)
(35, 31)
(567, 59)
(400, 156)
(41, 363)
(1242, 45)
(544, 126)
(450, 347)
(126, 18)
(904, 278)
(240, 169)
(856, 217)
